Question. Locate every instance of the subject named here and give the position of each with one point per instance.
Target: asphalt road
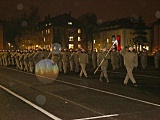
(23, 96)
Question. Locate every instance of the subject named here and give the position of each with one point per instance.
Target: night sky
(104, 9)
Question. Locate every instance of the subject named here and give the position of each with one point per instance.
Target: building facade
(156, 35)
(62, 29)
(122, 31)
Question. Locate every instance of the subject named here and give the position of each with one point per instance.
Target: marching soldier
(17, 59)
(55, 58)
(98, 57)
(71, 60)
(1, 57)
(104, 64)
(6, 56)
(94, 58)
(60, 65)
(115, 59)
(13, 53)
(83, 60)
(65, 60)
(21, 60)
(76, 60)
(143, 58)
(156, 58)
(26, 61)
(130, 61)
(31, 64)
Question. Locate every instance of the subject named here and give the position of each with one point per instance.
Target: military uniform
(104, 64)
(55, 58)
(26, 62)
(21, 60)
(115, 59)
(65, 60)
(98, 57)
(6, 58)
(17, 60)
(71, 60)
(60, 65)
(130, 61)
(156, 58)
(31, 64)
(94, 58)
(83, 60)
(1, 59)
(143, 58)
(76, 60)
(13, 53)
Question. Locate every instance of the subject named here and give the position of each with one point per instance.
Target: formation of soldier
(72, 60)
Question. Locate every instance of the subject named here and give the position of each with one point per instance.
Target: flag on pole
(116, 42)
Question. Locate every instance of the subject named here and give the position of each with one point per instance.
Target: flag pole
(104, 57)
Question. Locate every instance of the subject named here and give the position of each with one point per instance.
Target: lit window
(94, 41)
(79, 38)
(79, 45)
(71, 38)
(71, 46)
(79, 30)
(44, 39)
(107, 40)
(48, 31)
(46, 24)
(69, 23)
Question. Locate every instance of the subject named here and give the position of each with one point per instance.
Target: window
(71, 38)
(71, 46)
(79, 30)
(94, 41)
(69, 23)
(49, 31)
(79, 38)
(79, 45)
(107, 40)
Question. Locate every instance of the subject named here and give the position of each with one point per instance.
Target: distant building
(120, 29)
(62, 29)
(156, 35)
(69, 33)
(1, 36)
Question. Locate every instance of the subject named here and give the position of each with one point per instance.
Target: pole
(104, 57)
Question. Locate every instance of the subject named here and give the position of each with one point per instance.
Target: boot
(100, 79)
(107, 80)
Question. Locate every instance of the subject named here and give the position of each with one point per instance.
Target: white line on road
(98, 117)
(122, 96)
(90, 88)
(139, 75)
(31, 104)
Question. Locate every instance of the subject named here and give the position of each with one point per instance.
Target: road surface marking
(82, 106)
(139, 75)
(94, 89)
(98, 117)
(31, 104)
